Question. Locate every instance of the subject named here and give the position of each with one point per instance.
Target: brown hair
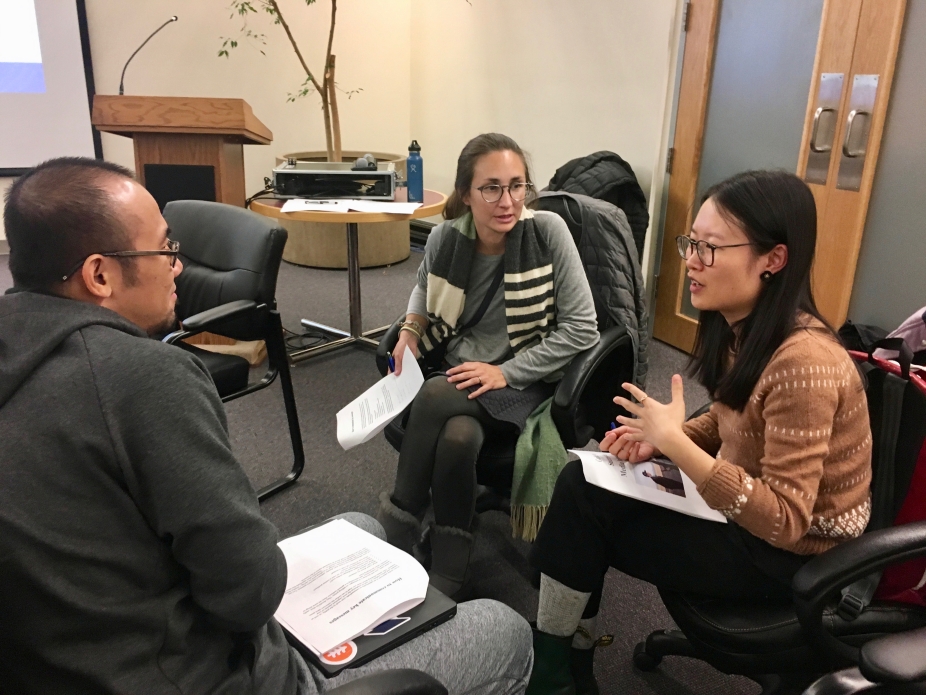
(466, 165)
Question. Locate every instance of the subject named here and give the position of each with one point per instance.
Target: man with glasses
(133, 555)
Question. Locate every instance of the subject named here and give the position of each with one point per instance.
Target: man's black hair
(59, 213)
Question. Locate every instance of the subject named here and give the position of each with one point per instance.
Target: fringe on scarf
(526, 520)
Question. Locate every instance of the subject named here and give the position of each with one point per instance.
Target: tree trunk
(333, 104)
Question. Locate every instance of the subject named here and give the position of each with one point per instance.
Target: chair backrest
(228, 254)
(897, 411)
(606, 176)
(606, 248)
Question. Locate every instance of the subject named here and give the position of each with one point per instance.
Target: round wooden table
(270, 207)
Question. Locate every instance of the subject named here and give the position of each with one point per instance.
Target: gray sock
(585, 633)
(560, 608)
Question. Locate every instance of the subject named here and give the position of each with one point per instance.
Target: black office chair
(786, 646)
(231, 258)
(891, 665)
(895, 663)
(397, 682)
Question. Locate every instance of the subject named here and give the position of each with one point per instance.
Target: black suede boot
(581, 663)
(552, 674)
(402, 529)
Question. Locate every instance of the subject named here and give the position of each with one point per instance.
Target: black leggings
(443, 436)
(588, 529)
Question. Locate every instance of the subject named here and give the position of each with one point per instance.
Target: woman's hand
(487, 377)
(658, 425)
(406, 338)
(627, 444)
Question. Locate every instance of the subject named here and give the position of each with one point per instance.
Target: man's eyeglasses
(172, 250)
(704, 249)
(492, 192)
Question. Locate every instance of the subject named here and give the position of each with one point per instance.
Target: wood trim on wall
(671, 326)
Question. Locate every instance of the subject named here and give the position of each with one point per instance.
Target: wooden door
(849, 37)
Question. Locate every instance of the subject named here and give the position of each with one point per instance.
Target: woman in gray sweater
(497, 347)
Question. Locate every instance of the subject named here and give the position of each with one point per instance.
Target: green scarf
(539, 458)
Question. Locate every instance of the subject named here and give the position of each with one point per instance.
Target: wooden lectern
(186, 148)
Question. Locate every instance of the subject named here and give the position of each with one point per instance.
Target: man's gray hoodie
(133, 555)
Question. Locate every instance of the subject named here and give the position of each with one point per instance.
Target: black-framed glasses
(704, 249)
(172, 250)
(492, 192)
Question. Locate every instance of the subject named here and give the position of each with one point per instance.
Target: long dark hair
(466, 165)
(771, 207)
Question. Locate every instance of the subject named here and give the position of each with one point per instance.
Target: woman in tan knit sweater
(784, 452)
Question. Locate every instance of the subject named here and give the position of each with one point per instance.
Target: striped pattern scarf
(529, 292)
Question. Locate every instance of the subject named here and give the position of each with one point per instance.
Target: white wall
(563, 79)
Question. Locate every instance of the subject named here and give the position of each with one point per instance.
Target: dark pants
(588, 529)
(443, 436)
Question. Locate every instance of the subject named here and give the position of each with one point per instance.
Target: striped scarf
(529, 298)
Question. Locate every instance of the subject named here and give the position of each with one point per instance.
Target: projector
(296, 179)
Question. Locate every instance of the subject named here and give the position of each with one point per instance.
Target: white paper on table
(609, 472)
(304, 204)
(342, 581)
(382, 206)
(368, 414)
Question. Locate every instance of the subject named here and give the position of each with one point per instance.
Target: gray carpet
(336, 481)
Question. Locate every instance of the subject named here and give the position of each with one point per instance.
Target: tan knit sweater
(794, 467)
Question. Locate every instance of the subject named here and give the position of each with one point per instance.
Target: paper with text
(383, 206)
(368, 414)
(342, 582)
(657, 481)
(302, 204)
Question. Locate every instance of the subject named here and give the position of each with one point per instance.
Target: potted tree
(321, 244)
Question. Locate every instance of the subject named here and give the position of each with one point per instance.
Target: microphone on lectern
(122, 78)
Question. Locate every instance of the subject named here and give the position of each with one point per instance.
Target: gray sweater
(576, 324)
(133, 555)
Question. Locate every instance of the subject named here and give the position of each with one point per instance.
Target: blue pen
(391, 362)
(613, 426)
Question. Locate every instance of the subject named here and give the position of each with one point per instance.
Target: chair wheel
(643, 660)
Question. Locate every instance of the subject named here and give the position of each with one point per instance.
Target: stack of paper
(342, 581)
(368, 414)
(657, 481)
(345, 205)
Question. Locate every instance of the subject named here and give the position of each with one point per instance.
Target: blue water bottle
(414, 174)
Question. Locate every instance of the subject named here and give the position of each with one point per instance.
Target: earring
(766, 276)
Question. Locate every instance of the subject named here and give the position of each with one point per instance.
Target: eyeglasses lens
(686, 245)
(493, 193)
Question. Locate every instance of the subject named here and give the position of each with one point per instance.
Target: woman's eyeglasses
(492, 192)
(172, 250)
(704, 249)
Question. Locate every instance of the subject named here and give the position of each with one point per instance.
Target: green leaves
(243, 9)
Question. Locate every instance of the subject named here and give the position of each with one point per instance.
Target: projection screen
(44, 95)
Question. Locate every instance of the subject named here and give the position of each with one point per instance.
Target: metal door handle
(849, 124)
(814, 147)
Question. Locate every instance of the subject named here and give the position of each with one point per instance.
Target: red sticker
(340, 655)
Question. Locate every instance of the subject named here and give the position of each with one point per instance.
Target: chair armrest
(579, 372)
(898, 658)
(210, 318)
(396, 682)
(386, 343)
(822, 578)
